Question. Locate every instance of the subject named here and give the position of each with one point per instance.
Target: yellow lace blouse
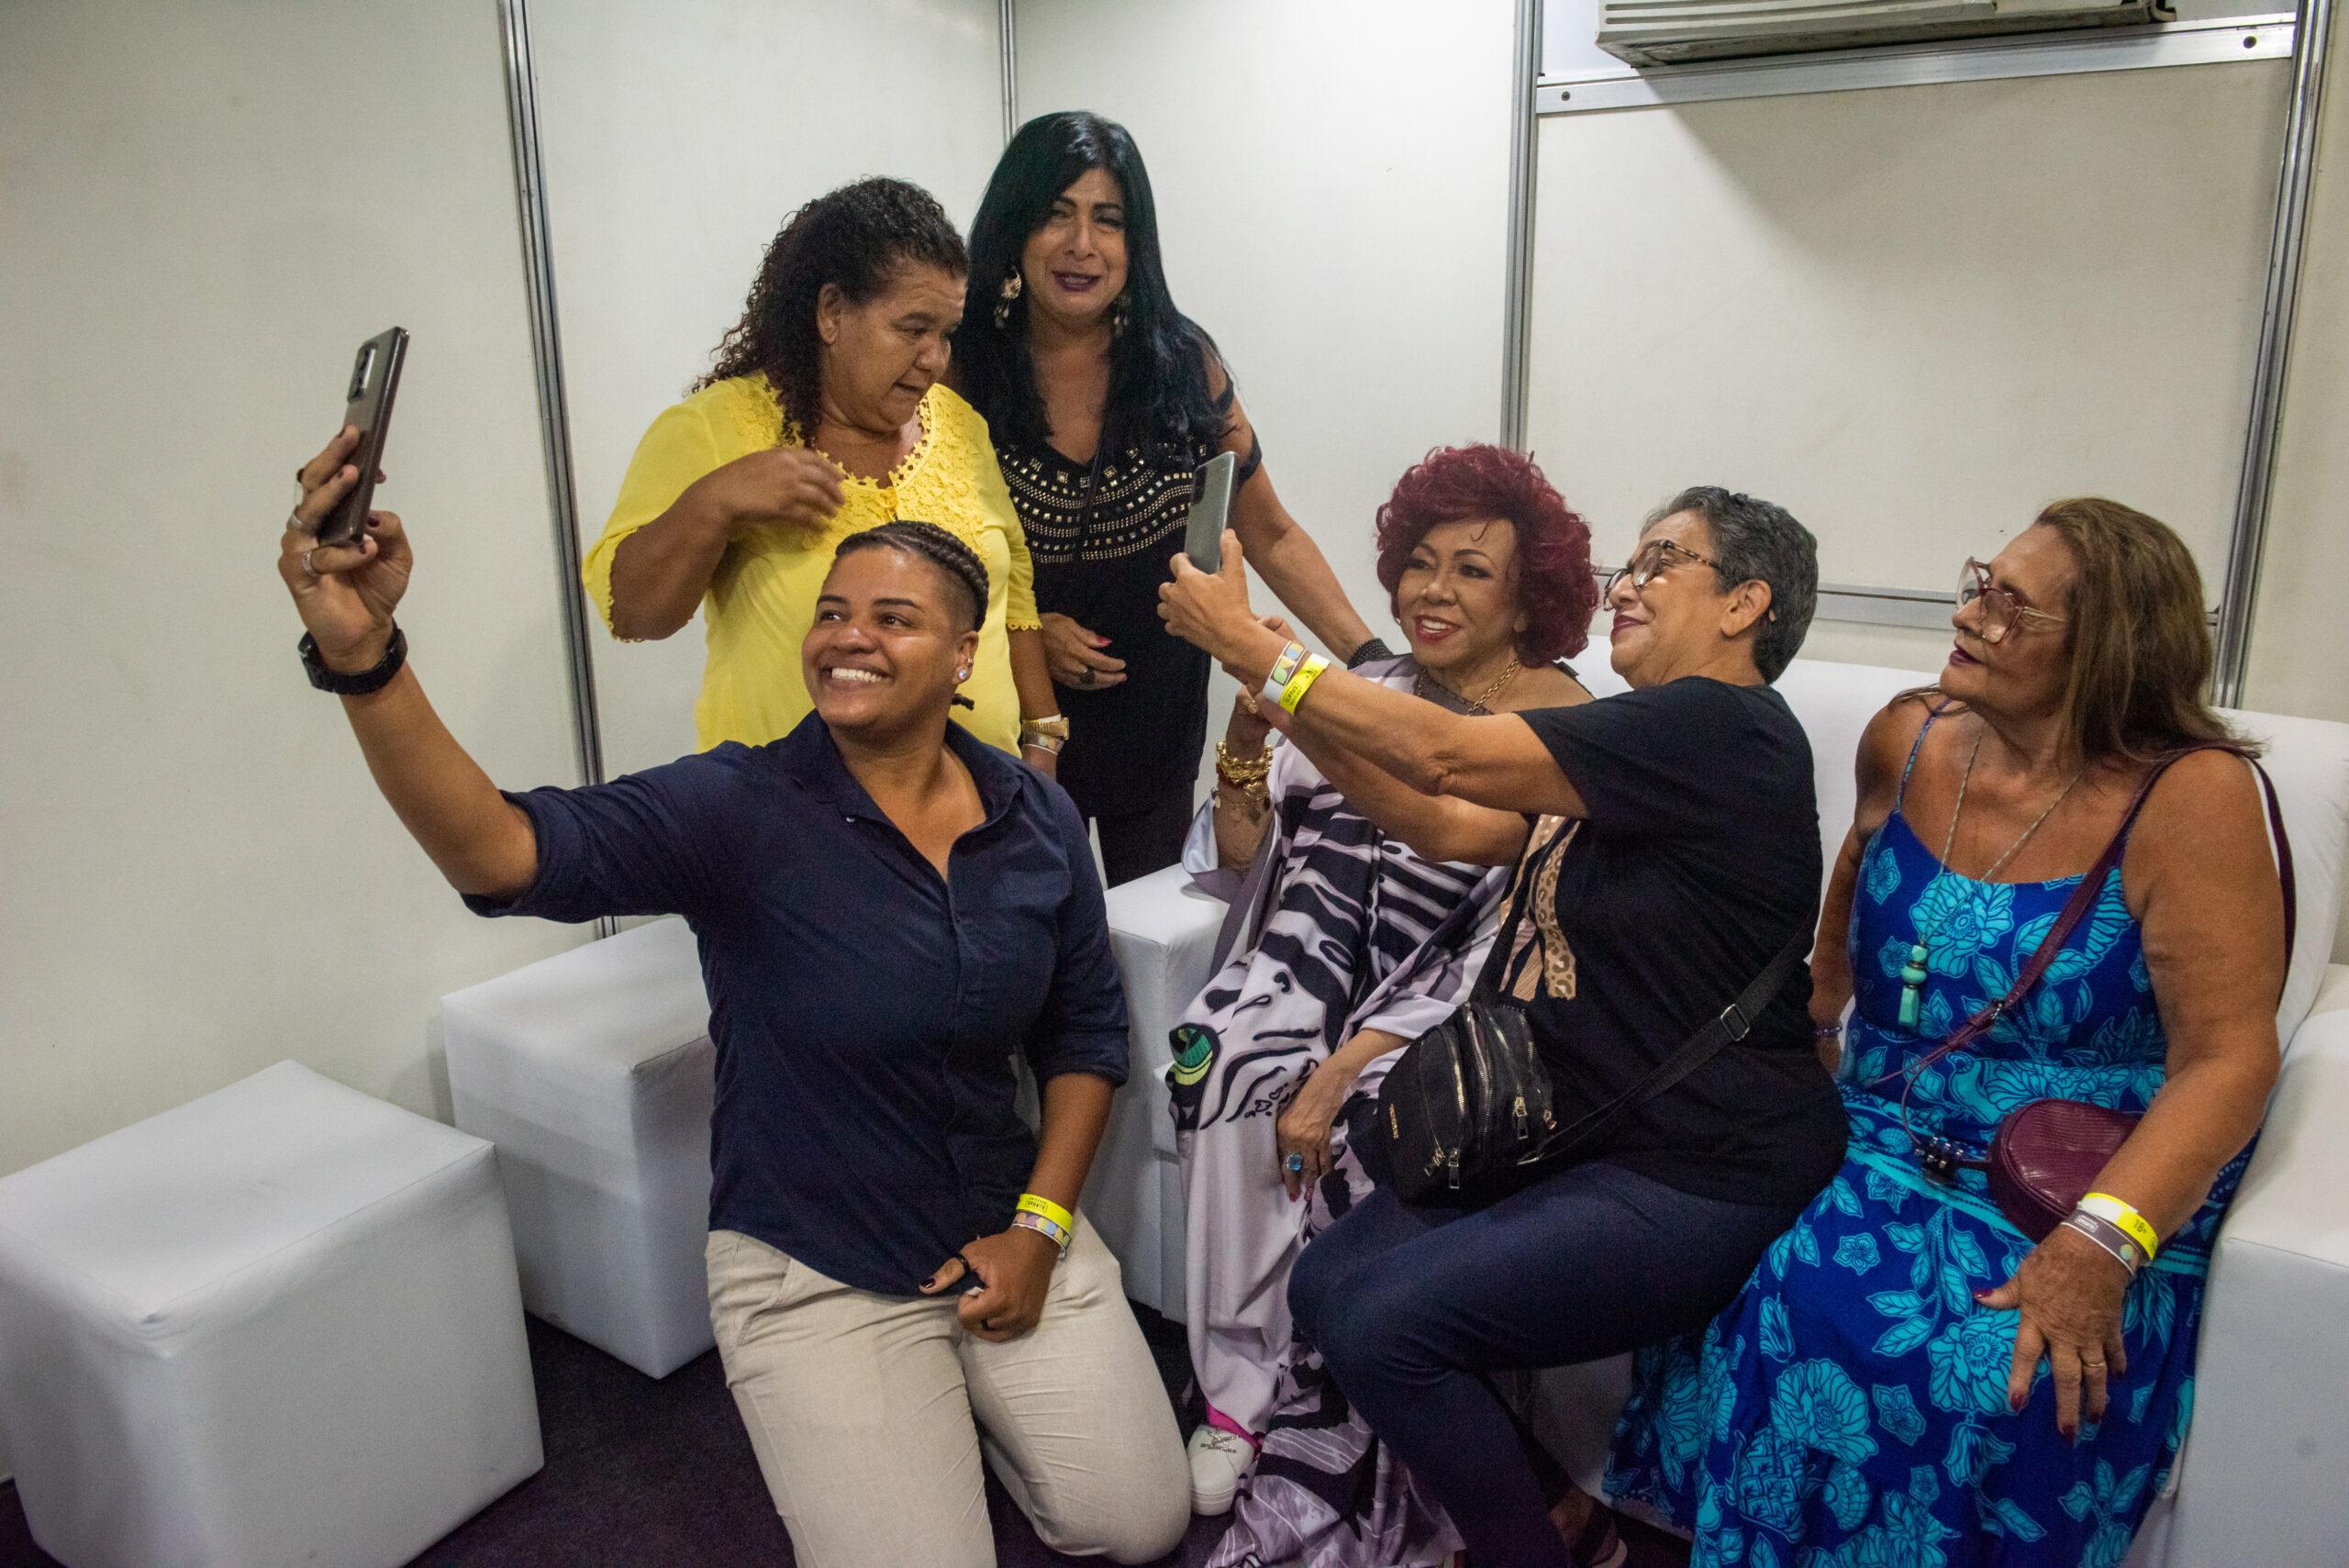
(762, 599)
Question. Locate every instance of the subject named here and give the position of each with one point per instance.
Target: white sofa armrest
(2261, 1481)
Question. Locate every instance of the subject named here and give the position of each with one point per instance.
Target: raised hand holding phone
(345, 592)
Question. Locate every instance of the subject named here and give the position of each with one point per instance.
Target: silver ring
(1295, 1164)
(308, 570)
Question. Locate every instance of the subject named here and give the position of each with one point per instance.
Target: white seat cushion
(279, 1324)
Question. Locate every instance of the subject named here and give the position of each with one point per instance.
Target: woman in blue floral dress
(1907, 1381)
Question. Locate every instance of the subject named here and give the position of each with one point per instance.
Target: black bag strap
(1732, 1024)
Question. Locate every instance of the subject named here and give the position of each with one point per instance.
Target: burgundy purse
(2046, 1155)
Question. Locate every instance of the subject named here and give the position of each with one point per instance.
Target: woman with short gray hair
(1666, 847)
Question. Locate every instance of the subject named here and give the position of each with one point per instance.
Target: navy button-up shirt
(865, 1011)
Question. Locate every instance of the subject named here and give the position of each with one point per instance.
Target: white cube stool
(593, 1072)
(1163, 930)
(278, 1325)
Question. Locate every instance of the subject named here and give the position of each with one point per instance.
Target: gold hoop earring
(1004, 297)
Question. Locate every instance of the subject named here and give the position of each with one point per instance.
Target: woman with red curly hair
(1665, 841)
(1343, 944)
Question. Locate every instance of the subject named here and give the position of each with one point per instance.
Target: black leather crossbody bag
(1468, 1107)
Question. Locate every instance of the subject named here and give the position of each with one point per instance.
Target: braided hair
(959, 563)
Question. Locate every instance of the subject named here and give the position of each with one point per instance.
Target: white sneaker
(1218, 1459)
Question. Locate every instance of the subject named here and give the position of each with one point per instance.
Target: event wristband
(1302, 682)
(1046, 1209)
(2114, 1211)
(2107, 1238)
(1283, 668)
(1056, 1235)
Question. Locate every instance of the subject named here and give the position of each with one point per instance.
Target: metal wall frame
(554, 407)
(2304, 36)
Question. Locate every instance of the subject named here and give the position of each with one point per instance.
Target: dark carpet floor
(658, 1474)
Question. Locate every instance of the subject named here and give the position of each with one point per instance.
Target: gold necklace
(1484, 699)
(1481, 702)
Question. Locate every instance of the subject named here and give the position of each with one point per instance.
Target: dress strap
(1910, 766)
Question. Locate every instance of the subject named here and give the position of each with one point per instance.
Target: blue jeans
(1410, 1304)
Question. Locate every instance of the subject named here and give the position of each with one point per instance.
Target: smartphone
(1211, 513)
(374, 382)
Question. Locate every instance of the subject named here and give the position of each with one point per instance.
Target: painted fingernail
(930, 1283)
(1982, 1295)
(2015, 1403)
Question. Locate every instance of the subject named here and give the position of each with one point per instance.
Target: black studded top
(1102, 540)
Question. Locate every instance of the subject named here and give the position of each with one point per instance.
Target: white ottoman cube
(1163, 930)
(278, 1325)
(593, 1072)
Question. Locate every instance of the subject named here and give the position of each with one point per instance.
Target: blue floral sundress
(1849, 1408)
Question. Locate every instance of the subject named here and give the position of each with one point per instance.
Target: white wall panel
(205, 208)
(677, 138)
(1332, 185)
(1911, 315)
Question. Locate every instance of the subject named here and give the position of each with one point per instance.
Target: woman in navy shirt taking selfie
(887, 910)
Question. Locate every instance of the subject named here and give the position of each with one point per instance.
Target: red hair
(1556, 587)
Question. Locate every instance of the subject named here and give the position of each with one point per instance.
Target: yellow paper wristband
(1302, 682)
(2134, 1225)
(1046, 1209)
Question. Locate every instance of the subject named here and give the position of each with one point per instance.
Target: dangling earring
(1009, 292)
(1121, 313)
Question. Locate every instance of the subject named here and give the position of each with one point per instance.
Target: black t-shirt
(1696, 862)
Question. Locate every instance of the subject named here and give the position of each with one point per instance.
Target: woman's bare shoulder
(1544, 685)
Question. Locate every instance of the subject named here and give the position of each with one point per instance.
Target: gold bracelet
(1053, 725)
(1241, 772)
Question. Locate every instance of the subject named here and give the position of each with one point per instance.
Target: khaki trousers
(870, 1413)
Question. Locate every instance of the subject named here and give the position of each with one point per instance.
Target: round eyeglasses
(2001, 612)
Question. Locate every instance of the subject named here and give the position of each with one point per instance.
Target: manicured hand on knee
(2068, 1295)
(1014, 1270)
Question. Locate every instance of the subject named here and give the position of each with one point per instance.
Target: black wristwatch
(356, 684)
(1374, 649)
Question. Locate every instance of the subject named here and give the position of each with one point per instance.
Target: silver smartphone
(367, 405)
(1211, 513)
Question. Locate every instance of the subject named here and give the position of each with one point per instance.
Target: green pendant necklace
(1913, 974)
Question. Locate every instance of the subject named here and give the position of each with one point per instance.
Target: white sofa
(2263, 1480)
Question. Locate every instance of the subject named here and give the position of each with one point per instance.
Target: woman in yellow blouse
(824, 417)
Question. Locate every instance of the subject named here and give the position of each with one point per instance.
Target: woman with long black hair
(1103, 399)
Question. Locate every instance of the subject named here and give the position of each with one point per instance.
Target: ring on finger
(1085, 676)
(1294, 1164)
(308, 570)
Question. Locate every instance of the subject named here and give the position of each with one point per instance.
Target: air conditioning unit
(1678, 32)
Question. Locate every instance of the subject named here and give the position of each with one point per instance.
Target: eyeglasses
(1650, 562)
(2001, 611)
